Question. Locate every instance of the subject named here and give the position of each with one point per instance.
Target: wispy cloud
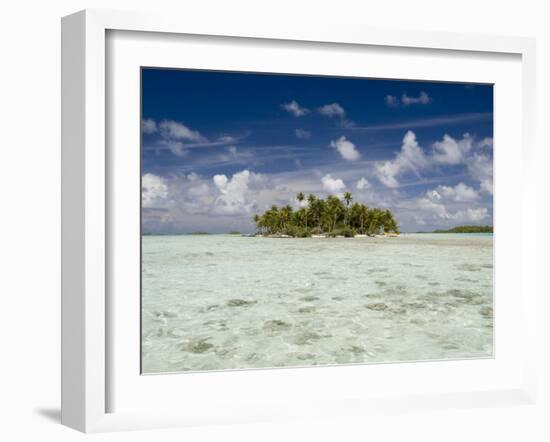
(148, 126)
(391, 101)
(423, 98)
(429, 122)
(335, 110)
(332, 110)
(295, 109)
(302, 134)
(173, 130)
(407, 100)
(178, 138)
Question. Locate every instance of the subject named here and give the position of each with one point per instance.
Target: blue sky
(218, 147)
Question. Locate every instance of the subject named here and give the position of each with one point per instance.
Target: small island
(320, 218)
(467, 229)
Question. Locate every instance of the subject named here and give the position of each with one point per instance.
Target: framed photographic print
(273, 223)
(305, 197)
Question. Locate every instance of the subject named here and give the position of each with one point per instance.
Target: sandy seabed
(212, 302)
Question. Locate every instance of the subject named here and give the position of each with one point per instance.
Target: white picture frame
(86, 207)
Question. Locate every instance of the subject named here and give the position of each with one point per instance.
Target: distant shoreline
(466, 229)
(361, 237)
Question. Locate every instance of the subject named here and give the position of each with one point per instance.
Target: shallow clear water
(213, 302)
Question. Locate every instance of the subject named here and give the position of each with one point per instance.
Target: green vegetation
(331, 217)
(467, 229)
(234, 232)
(199, 233)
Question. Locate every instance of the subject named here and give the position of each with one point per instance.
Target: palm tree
(272, 219)
(286, 216)
(389, 222)
(374, 221)
(300, 197)
(334, 208)
(347, 198)
(358, 216)
(363, 214)
(326, 215)
(257, 219)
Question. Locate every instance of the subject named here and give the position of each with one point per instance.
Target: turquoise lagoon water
(212, 302)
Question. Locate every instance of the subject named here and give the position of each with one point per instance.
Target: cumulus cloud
(459, 193)
(451, 151)
(332, 110)
(302, 134)
(363, 184)
(295, 109)
(234, 191)
(410, 158)
(480, 167)
(446, 152)
(432, 209)
(486, 143)
(154, 191)
(148, 126)
(346, 149)
(472, 215)
(332, 185)
(173, 130)
(423, 98)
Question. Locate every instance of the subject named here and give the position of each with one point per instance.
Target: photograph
(293, 220)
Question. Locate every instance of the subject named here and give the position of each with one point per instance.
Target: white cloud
(199, 191)
(220, 181)
(486, 186)
(391, 101)
(363, 184)
(227, 139)
(295, 109)
(486, 143)
(193, 176)
(451, 151)
(473, 215)
(423, 98)
(176, 147)
(411, 158)
(234, 192)
(302, 134)
(332, 110)
(177, 131)
(148, 126)
(459, 193)
(154, 191)
(480, 167)
(433, 195)
(432, 210)
(346, 149)
(332, 185)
